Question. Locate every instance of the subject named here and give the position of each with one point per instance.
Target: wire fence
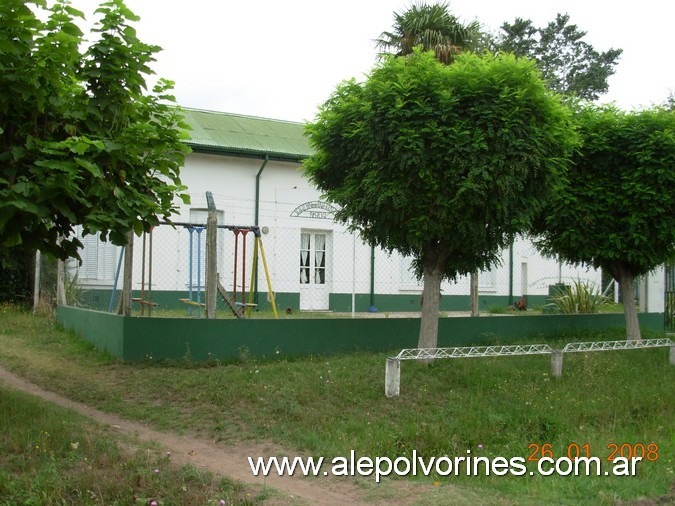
(304, 268)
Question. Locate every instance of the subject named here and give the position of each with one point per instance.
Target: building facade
(253, 169)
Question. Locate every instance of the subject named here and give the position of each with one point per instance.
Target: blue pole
(199, 271)
(190, 229)
(117, 277)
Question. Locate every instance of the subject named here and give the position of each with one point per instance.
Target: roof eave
(245, 153)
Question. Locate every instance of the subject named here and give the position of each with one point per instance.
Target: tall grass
(327, 406)
(50, 455)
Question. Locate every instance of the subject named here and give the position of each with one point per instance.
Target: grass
(51, 455)
(327, 406)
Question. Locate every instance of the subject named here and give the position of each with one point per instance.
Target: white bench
(392, 377)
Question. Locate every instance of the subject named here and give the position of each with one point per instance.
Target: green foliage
(441, 161)
(431, 27)
(616, 208)
(81, 142)
(569, 64)
(577, 298)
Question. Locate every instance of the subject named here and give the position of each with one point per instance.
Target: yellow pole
(253, 271)
(269, 283)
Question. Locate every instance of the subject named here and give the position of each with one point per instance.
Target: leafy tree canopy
(444, 163)
(570, 65)
(81, 141)
(616, 208)
(433, 28)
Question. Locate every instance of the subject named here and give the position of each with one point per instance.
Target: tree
(80, 140)
(616, 208)
(443, 163)
(433, 28)
(569, 65)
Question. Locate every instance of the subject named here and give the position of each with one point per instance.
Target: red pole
(236, 248)
(243, 270)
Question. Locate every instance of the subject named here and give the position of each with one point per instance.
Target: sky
(283, 59)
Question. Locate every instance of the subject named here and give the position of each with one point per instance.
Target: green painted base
(99, 300)
(137, 339)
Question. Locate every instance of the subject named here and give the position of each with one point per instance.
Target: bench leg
(556, 363)
(392, 378)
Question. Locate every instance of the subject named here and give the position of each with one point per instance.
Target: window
(487, 281)
(99, 259)
(312, 249)
(408, 278)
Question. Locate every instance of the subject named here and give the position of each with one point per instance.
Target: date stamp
(645, 452)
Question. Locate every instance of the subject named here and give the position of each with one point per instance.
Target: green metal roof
(237, 135)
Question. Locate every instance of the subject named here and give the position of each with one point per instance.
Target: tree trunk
(431, 299)
(627, 289)
(473, 293)
(61, 299)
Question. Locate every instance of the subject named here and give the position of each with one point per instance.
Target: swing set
(236, 300)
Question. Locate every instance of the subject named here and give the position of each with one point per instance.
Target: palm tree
(433, 28)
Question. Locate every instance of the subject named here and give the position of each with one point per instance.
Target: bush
(578, 298)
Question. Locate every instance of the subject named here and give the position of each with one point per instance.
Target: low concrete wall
(135, 338)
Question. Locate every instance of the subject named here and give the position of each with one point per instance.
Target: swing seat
(192, 302)
(245, 304)
(145, 302)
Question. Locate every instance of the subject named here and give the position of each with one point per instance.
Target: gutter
(257, 190)
(256, 220)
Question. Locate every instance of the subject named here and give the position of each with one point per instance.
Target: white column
(392, 378)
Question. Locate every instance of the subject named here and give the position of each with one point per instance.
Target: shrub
(578, 298)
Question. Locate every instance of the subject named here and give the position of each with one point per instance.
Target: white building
(252, 167)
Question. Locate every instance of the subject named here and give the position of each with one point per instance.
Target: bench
(392, 376)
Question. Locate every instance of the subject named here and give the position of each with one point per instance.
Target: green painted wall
(338, 302)
(342, 302)
(133, 338)
(103, 330)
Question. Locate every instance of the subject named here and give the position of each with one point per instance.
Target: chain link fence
(313, 268)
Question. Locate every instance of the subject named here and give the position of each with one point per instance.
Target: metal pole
(372, 277)
(199, 272)
(511, 273)
(190, 230)
(117, 276)
(269, 281)
(354, 275)
(243, 267)
(36, 284)
(143, 278)
(150, 276)
(234, 270)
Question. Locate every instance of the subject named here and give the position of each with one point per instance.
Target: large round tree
(444, 163)
(616, 208)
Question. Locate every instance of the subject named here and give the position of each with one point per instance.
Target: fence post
(672, 354)
(392, 378)
(556, 363)
(125, 299)
(211, 257)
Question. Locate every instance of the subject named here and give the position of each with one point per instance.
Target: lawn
(51, 455)
(327, 406)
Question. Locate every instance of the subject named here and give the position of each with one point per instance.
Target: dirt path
(229, 461)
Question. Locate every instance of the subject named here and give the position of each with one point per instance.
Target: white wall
(283, 188)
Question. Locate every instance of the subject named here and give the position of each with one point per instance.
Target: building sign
(315, 209)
